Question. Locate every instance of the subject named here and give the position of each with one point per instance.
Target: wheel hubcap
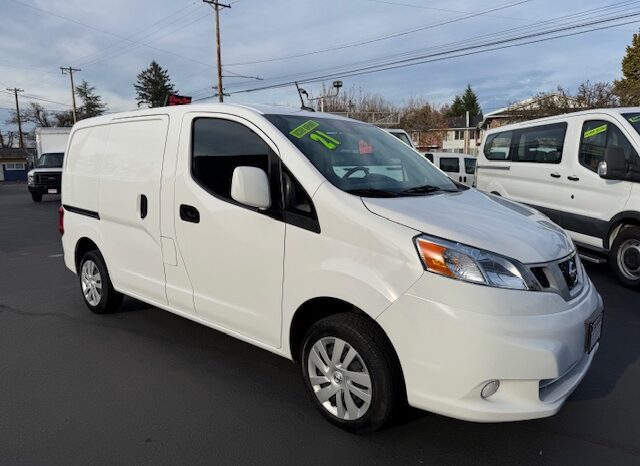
(91, 282)
(629, 259)
(339, 378)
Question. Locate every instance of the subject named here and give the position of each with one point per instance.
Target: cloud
(180, 36)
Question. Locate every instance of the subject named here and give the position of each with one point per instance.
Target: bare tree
(6, 140)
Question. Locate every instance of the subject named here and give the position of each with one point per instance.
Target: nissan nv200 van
(583, 171)
(330, 242)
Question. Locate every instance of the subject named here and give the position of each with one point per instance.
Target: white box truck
(46, 176)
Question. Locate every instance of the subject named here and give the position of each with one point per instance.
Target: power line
(380, 61)
(462, 51)
(103, 31)
(385, 37)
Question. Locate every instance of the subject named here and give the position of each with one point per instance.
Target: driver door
(233, 254)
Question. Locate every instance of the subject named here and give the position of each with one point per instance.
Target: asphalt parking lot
(145, 386)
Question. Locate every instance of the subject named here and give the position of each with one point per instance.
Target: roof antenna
(300, 92)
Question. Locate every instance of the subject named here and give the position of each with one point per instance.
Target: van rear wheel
(350, 373)
(97, 291)
(625, 257)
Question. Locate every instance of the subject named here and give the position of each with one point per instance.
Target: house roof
(11, 153)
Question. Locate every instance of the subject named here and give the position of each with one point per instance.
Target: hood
(45, 170)
(481, 220)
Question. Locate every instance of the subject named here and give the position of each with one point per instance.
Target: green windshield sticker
(326, 140)
(634, 119)
(594, 131)
(304, 129)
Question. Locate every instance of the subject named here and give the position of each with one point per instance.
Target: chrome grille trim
(557, 277)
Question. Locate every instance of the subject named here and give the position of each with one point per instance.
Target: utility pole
(216, 7)
(15, 91)
(69, 70)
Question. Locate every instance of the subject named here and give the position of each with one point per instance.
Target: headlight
(473, 265)
(29, 179)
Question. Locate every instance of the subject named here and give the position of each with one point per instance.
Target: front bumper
(44, 189)
(452, 338)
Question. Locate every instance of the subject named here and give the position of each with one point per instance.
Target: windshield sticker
(594, 131)
(364, 147)
(326, 140)
(634, 119)
(304, 129)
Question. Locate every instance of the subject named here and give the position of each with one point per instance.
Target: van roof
(607, 111)
(178, 110)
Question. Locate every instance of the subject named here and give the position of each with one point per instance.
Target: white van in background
(582, 170)
(402, 135)
(326, 241)
(459, 167)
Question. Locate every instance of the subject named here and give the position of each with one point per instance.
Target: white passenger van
(326, 241)
(459, 167)
(583, 171)
(402, 135)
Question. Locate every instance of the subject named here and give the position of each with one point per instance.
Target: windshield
(362, 159)
(634, 120)
(469, 166)
(53, 160)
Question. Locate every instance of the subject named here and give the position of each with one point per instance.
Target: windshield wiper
(427, 188)
(371, 192)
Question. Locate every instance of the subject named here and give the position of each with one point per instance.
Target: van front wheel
(37, 197)
(625, 257)
(349, 372)
(97, 291)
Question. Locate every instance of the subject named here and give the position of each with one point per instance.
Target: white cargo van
(326, 241)
(402, 135)
(459, 167)
(583, 171)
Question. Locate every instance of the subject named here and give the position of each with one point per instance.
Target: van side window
(218, 147)
(598, 136)
(540, 144)
(450, 164)
(469, 166)
(498, 146)
(429, 157)
(298, 207)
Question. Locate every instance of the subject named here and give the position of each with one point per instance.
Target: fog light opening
(490, 389)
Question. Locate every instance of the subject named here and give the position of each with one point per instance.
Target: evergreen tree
(467, 102)
(457, 107)
(92, 104)
(153, 85)
(628, 88)
(470, 102)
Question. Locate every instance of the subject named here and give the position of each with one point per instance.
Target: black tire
(387, 389)
(625, 264)
(37, 197)
(110, 299)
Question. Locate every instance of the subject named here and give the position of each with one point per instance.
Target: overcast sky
(179, 34)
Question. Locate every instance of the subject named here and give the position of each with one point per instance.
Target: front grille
(48, 178)
(562, 276)
(569, 269)
(538, 272)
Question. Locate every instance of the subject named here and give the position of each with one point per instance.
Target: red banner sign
(174, 99)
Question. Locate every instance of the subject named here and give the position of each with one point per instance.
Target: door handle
(555, 175)
(573, 178)
(144, 205)
(189, 213)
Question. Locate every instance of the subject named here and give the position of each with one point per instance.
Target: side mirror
(250, 186)
(614, 166)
